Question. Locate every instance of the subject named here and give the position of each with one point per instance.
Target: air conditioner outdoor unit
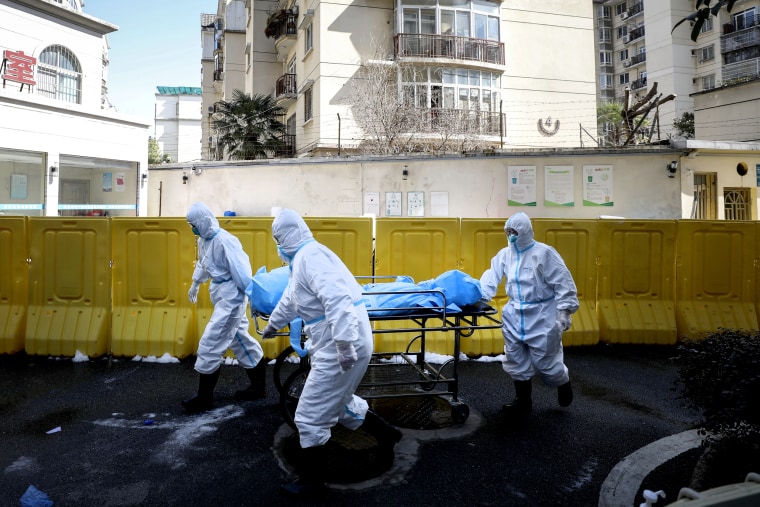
(626, 39)
(623, 14)
(627, 62)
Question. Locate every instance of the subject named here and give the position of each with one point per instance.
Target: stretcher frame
(420, 378)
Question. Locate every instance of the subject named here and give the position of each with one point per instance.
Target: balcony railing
(449, 46)
(462, 121)
(639, 83)
(741, 24)
(635, 9)
(281, 24)
(636, 34)
(285, 86)
(740, 72)
(735, 41)
(287, 147)
(639, 58)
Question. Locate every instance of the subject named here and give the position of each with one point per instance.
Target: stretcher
(402, 373)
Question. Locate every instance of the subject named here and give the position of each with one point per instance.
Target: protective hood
(203, 219)
(521, 223)
(290, 231)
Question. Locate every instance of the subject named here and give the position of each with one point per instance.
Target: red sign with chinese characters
(18, 67)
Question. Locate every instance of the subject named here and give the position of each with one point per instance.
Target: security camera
(672, 168)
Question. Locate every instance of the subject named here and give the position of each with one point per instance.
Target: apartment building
(63, 149)
(520, 75)
(178, 122)
(714, 78)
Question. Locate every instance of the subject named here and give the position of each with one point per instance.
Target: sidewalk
(124, 440)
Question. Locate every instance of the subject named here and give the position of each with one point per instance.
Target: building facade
(492, 67)
(178, 122)
(61, 151)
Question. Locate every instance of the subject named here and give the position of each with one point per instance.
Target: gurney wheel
(285, 357)
(459, 412)
(291, 393)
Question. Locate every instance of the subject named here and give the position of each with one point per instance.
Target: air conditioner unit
(694, 52)
(627, 62)
(626, 39)
(623, 14)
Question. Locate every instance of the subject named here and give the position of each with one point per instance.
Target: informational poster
(439, 204)
(372, 203)
(120, 182)
(415, 204)
(18, 186)
(521, 187)
(107, 182)
(393, 204)
(597, 185)
(558, 185)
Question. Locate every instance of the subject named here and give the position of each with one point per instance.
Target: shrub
(720, 376)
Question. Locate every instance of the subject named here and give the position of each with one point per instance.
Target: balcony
(634, 35)
(741, 24)
(745, 38)
(639, 58)
(218, 75)
(639, 83)
(285, 88)
(281, 24)
(451, 47)
(740, 72)
(635, 9)
(462, 121)
(286, 147)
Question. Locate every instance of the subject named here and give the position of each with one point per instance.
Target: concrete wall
(475, 187)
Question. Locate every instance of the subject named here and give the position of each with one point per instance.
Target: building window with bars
(737, 204)
(308, 112)
(59, 75)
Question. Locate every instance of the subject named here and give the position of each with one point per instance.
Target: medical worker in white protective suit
(542, 298)
(324, 293)
(222, 260)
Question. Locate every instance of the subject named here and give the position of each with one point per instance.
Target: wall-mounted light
(185, 177)
(53, 168)
(405, 173)
(672, 168)
(143, 179)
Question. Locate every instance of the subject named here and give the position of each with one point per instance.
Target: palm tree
(249, 127)
(609, 118)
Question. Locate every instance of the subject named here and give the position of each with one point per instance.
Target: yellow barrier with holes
(119, 285)
(13, 284)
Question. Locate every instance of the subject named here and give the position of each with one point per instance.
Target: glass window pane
(447, 22)
(427, 21)
(462, 76)
(449, 98)
(480, 26)
(449, 76)
(436, 75)
(474, 78)
(463, 24)
(493, 28)
(411, 21)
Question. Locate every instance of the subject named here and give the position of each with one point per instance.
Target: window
(705, 196)
(308, 42)
(620, 8)
(622, 31)
(623, 78)
(605, 57)
(603, 12)
(292, 66)
(59, 75)
(737, 204)
(707, 53)
(605, 35)
(708, 82)
(605, 81)
(744, 19)
(707, 26)
(623, 55)
(308, 112)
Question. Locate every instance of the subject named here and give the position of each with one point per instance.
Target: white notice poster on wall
(597, 185)
(372, 203)
(558, 185)
(521, 186)
(393, 204)
(415, 204)
(439, 204)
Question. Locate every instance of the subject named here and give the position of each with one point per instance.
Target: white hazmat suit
(542, 296)
(324, 293)
(222, 260)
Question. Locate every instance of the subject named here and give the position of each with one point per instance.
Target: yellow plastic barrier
(576, 242)
(69, 286)
(423, 249)
(14, 284)
(480, 240)
(152, 268)
(715, 277)
(636, 281)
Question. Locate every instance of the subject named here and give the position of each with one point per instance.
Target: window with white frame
(707, 53)
(623, 55)
(620, 8)
(605, 57)
(622, 31)
(477, 18)
(606, 81)
(308, 111)
(745, 19)
(451, 88)
(623, 78)
(59, 75)
(708, 82)
(605, 35)
(707, 25)
(308, 39)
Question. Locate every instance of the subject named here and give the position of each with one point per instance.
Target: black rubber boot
(385, 433)
(311, 473)
(258, 377)
(523, 403)
(204, 400)
(565, 394)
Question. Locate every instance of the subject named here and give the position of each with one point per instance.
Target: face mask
(512, 238)
(195, 230)
(282, 255)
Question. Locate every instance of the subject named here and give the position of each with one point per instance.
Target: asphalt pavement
(111, 432)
